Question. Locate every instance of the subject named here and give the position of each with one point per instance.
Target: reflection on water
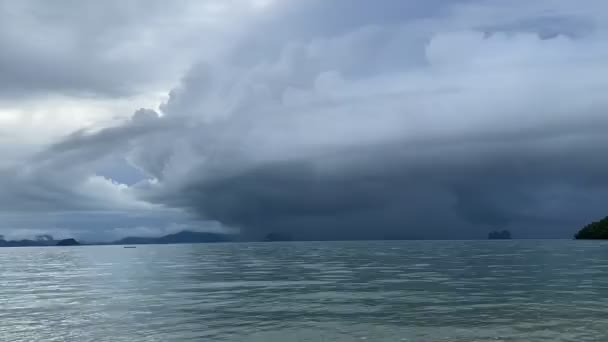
(326, 291)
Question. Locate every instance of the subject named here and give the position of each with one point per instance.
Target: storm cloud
(362, 120)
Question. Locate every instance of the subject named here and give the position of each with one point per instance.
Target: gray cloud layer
(380, 119)
(97, 48)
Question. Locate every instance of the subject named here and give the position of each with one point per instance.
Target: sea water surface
(326, 291)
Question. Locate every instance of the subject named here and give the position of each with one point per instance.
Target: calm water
(374, 291)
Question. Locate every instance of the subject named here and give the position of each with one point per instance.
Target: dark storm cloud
(478, 143)
(386, 119)
(454, 193)
(100, 144)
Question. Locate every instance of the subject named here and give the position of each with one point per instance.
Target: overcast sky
(322, 118)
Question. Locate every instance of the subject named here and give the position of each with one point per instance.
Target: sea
(515, 290)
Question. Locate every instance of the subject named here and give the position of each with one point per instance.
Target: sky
(341, 119)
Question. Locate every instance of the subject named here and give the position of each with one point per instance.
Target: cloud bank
(362, 120)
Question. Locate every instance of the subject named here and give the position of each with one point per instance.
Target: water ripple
(375, 291)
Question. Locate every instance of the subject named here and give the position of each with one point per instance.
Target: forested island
(594, 231)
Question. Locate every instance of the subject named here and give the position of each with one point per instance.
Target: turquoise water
(326, 291)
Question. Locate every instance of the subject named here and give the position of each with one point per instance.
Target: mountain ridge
(183, 237)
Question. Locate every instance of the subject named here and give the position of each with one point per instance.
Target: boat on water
(129, 247)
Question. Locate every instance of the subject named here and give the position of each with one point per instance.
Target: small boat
(129, 247)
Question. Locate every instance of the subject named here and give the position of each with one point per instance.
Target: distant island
(594, 231)
(183, 237)
(68, 242)
(500, 235)
(40, 241)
